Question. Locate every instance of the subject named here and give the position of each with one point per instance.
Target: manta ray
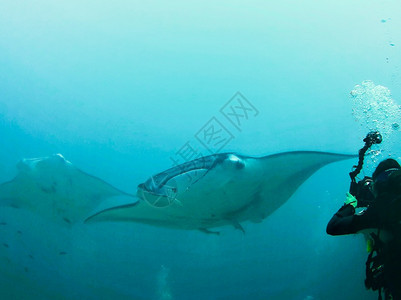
(208, 192)
(219, 189)
(53, 188)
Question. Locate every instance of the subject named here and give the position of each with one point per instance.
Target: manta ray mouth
(158, 184)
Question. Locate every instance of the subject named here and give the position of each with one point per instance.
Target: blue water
(120, 87)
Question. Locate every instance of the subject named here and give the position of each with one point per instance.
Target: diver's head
(385, 166)
(369, 188)
(382, 173)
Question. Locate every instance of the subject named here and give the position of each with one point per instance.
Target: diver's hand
(351, 200)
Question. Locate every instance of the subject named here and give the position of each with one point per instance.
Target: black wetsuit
(384, 214)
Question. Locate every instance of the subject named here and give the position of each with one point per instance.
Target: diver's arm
(345, 221)
(342, 221)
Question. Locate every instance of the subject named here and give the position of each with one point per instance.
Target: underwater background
(119, 88)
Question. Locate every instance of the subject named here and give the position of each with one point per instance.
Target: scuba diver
(380, 198)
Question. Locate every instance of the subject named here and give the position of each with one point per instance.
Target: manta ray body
(219, 189)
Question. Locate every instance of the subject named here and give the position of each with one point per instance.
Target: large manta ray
(219, 189)
(208, 192)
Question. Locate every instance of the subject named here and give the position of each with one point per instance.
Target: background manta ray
(55, 189)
